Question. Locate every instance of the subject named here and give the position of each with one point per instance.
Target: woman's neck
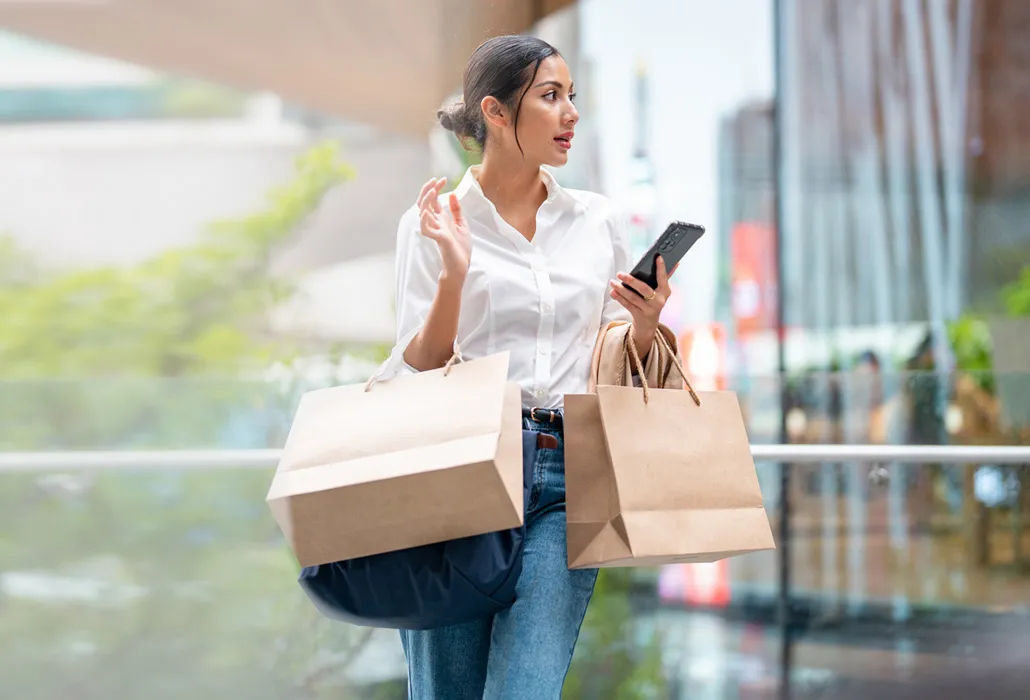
(510, 183)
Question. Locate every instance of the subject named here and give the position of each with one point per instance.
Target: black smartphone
(672, 246)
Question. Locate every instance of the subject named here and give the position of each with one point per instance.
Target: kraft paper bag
(659, 476)
(410, 461)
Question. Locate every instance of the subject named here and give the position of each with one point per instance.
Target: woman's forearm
(434, 344)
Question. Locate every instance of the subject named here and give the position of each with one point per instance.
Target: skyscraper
(643, 197)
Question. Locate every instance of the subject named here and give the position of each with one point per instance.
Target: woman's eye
(551, 95)
(572, 97)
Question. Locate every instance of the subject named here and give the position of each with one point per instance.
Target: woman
(511, 261)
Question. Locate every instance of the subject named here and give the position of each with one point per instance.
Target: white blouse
(543, 301)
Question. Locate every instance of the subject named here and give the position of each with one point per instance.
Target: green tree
(193, 310)
(1016, 296)
(970, 336)
(198, 99)
(80, 349)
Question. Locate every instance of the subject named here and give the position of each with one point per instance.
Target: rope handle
(635, 358)
(663, 341)
(456, 357)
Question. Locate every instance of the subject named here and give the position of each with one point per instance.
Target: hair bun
(453, 117)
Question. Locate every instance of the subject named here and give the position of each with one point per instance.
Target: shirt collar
(556, 194)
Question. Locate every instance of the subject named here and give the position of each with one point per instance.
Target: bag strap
(664, 345)
(635, 357)
(676, 361)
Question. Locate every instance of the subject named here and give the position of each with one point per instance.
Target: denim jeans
(524, 652)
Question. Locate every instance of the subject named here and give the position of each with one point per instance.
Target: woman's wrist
(451, 281)
(642, 336)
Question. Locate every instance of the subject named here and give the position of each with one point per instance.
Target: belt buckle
(550, 415)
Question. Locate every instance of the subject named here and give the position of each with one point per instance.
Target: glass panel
(176, 582)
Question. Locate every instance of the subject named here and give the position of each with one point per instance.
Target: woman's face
(548, 116)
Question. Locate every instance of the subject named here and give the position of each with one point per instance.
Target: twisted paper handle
(675, 360)
(635, 357)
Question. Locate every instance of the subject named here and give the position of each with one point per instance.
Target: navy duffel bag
(434, 585)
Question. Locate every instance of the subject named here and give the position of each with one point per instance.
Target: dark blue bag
(434, 585)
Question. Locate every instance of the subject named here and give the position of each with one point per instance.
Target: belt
(551, 416)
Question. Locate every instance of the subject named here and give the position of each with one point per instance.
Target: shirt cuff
(394, 365)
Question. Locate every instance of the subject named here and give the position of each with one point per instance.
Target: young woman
(511, 261)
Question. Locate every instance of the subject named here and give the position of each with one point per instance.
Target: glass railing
(175, 582)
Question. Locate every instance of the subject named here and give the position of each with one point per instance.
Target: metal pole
(784, 543)
(207, 460)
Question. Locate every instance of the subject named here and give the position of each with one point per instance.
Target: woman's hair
(499, 68)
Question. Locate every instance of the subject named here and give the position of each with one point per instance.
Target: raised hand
(448, 230)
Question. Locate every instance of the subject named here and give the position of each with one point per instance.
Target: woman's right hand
(448, 230)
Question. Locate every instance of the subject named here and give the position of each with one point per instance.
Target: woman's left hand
(647, 307)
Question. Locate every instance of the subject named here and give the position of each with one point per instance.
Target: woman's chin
(556, 160)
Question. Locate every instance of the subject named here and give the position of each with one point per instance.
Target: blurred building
(905, 174)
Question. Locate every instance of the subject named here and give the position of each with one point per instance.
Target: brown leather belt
(552, 417)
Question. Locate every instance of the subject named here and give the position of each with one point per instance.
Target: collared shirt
(542, 300)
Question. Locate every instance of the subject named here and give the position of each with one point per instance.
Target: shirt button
(540, 393)
(541, 351)
(547, 307)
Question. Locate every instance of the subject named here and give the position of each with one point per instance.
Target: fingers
(634, 283)
(663, 276)
(428, 196)
(455, 207)
(430, 225)
(627, 298)
(422, 192)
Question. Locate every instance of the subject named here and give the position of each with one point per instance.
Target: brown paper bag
(659, 476)
(417, 459)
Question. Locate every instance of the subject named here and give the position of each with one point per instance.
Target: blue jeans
(525, 651)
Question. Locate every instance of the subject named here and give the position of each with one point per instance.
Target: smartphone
(672, 246)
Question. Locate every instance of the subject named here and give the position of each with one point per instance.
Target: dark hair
(498, 69)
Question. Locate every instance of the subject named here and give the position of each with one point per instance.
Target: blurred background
(198, 205)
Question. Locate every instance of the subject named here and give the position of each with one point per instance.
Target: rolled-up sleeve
(417, 276)
(621, 262)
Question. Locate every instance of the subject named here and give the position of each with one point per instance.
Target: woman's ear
(494, 112)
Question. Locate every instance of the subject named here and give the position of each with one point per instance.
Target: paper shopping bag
(417, 459)
(658, 476)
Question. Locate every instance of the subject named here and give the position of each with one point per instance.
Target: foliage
(971, 342)
(197, 309)
(1016, 296)
(970, 336)
(121, 356)
(609, 664)
(197, 99)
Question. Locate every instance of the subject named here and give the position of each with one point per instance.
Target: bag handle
(664, 342)
(456, 357)
(635, 357)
